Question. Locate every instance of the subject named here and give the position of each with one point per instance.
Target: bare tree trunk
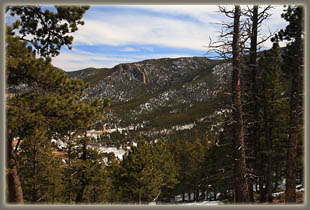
(157, 196)
(240, 173)
(253, 126)
(196, 193)
(13, 181)
(295, 117)
(214, 192)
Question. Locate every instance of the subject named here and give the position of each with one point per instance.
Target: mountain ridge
(160, 93)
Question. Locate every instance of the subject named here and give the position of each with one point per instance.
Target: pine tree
(138, 174)
(180, 155)
(144, 173)
(48, 30)
(49, 95)
(294, 32)
(114, 180)
(88, 176)
(256, 17)
(165, 163)
(253, 125)
(39, 169)
(24, 69)
(272, 105)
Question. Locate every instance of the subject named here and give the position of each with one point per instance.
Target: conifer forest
(219, 130)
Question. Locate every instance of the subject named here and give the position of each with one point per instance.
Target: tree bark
(295, 116)
(240, 173)
(13, 181)
(253, 109)
(214, 192)
(197, 193)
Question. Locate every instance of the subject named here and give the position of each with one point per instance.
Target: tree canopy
(45, 29)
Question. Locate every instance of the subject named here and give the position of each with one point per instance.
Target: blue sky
(124, 34)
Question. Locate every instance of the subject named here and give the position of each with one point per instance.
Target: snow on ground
(183, 127)
(179, 197)
(210, 203)
(119, 153)
(299, 188)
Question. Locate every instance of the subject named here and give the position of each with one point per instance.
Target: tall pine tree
(294, 56)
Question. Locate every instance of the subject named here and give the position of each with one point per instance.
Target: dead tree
(231, 45)
(254, 20)
(240, 170)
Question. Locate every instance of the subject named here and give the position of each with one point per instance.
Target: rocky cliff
(162, 93)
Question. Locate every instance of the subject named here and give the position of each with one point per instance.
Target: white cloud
(120, 29)
(203, 13)
(143, 29)
(176, 26)
(129, 49)
(150, 49)
(78, 59)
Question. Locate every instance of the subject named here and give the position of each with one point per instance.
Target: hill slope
(160, 95)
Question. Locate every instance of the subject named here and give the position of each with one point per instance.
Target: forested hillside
(159, 131)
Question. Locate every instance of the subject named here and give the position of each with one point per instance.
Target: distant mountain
(160, 94)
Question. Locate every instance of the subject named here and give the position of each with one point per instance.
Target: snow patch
(119, 153)
(209, 203)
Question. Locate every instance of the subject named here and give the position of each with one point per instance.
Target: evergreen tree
(256, 17)
(146, 171)
(49, 100)
(139, 175)
(180, 155)
(46, 30)
(88, 177)
(113, 181)
(272, 104)
(293, 56)
(39, 170)
(165, 163)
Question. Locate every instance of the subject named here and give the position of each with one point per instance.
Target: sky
(125, 34)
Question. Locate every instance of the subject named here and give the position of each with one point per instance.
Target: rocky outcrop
(140, 74)
(171, 85)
